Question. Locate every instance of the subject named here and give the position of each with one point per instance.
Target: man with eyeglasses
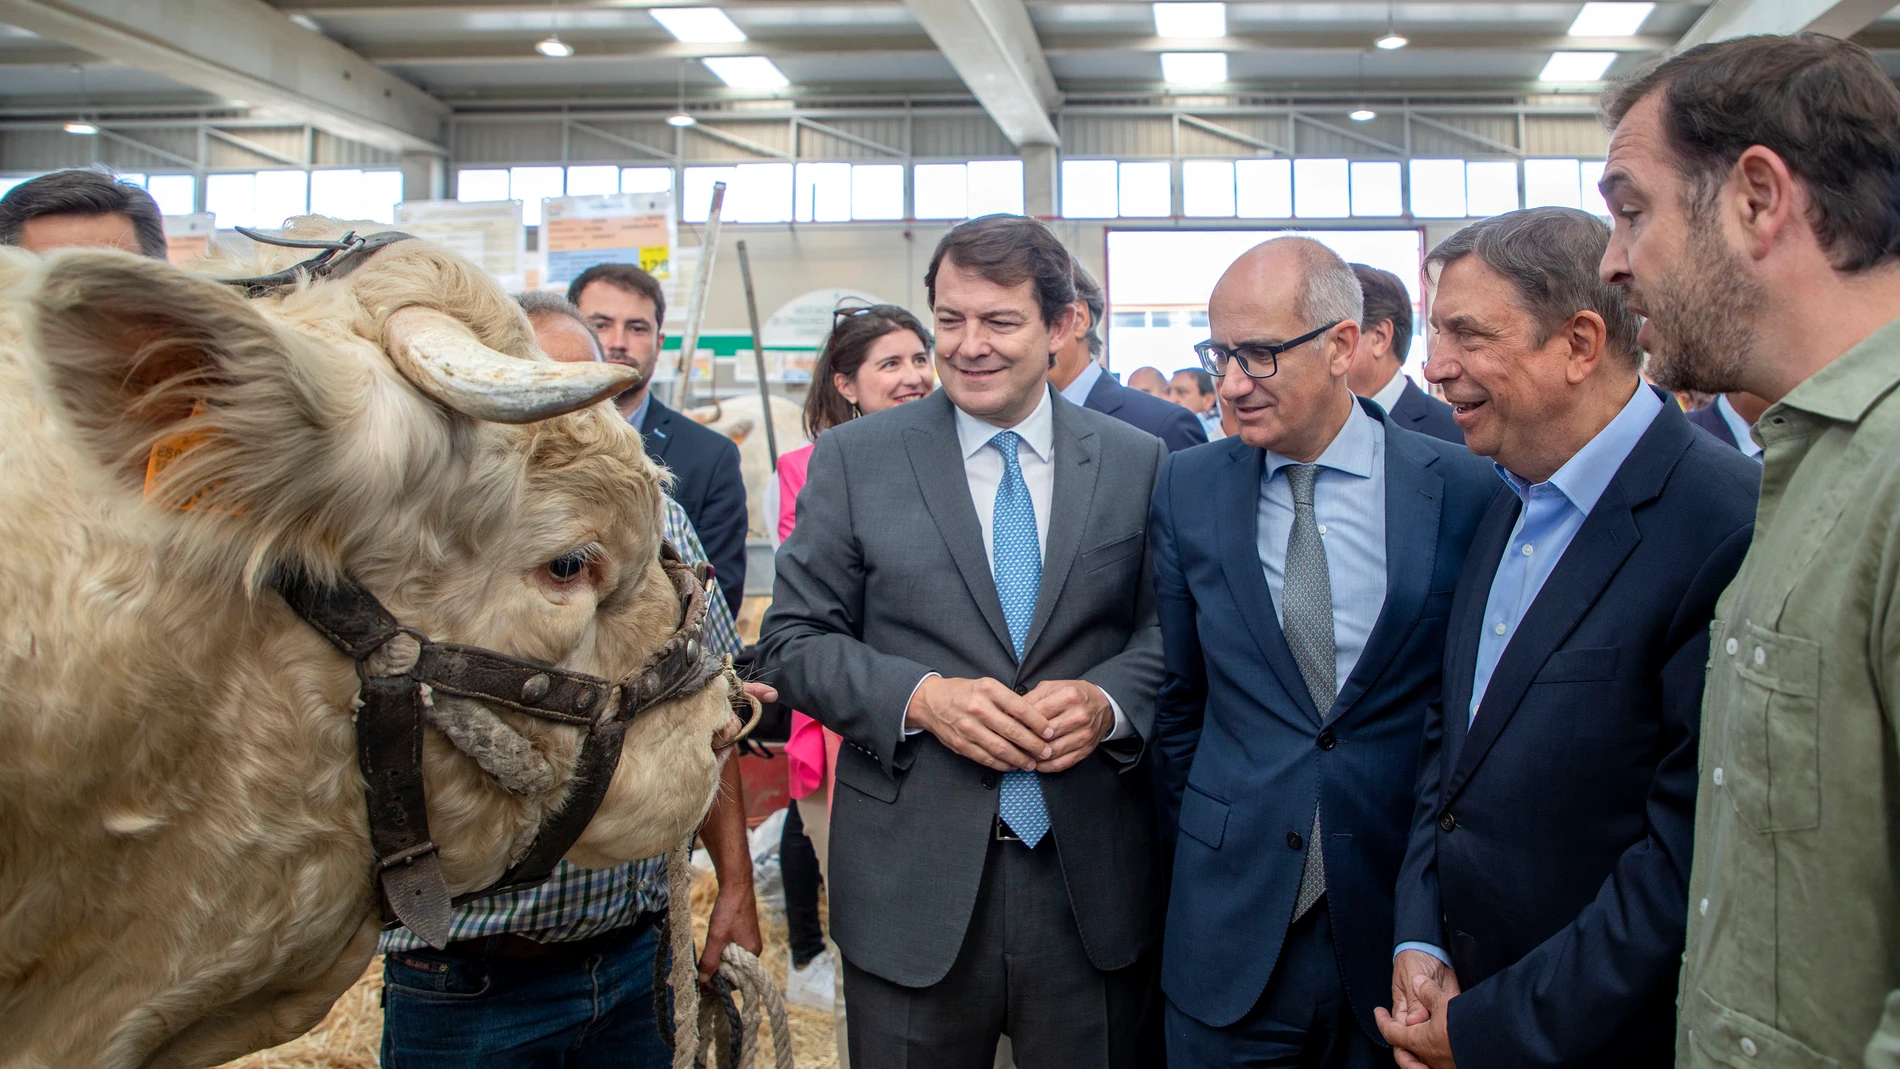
(1302, 630)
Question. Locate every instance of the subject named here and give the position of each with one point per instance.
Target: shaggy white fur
(184, 858)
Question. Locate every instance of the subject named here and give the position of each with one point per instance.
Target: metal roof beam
(1739, 18)
(993, 47)
(245, 50)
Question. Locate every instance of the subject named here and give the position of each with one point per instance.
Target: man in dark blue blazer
(627, 308)
(1542, 907)
(1385, 337)
(1304, 567)
(1729, 418)
(1075, 372)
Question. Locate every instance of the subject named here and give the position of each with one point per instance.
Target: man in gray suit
(966, 600)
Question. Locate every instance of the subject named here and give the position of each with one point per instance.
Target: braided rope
(706, 1037)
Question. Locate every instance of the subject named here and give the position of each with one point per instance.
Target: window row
(1326, 188)
(267, 198)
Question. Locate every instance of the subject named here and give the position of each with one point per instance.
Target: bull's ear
(135, 352)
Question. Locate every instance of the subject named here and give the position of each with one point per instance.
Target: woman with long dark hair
(876, 357)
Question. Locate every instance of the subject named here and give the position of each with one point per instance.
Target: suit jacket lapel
(1413, 497)
(653, 429)
(1076, 455)
(1238, 527)
(1410, 408)
(1467, 617)
(936, 456)
(1105, 395)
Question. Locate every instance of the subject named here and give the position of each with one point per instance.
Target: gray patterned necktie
(1307, 620)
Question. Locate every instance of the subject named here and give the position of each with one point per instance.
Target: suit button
(1022, 688)
(1446, 821)
(1327, 741)
(989, 781)
(1293, 840)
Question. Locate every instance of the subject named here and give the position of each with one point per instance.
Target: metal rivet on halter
(536, 687)
(692, 649)
(582, 701)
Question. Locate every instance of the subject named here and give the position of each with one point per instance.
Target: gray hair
(1330, 291)
(1550, 256)
(539, 303)
(1089, 292)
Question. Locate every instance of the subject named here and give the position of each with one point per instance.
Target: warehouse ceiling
(396, 68)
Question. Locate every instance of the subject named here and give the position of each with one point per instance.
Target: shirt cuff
(904, 713)
(1123, 729)
(1428, 948)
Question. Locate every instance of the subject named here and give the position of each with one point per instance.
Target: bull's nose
(728, 732)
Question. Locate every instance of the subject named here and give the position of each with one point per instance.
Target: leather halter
(389, 726)
(333, 260)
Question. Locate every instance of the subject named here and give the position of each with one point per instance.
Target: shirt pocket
(1722, 1036)
(1770, 761)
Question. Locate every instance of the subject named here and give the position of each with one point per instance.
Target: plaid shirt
(577, 903)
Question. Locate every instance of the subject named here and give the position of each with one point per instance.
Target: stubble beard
(1701, 321)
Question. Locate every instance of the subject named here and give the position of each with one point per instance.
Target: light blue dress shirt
(638, 417)
(1349, 506)
(1553, 513)
(1077, 392)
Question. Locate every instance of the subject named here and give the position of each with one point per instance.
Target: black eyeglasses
(1215, 358)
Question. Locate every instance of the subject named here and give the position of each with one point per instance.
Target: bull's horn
(443, 359)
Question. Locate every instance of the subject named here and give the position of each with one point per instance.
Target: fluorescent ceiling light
(81, 127)
(1610, 20)
(1392, 41)
(1362, 115)
(1190, 20)
(1576, 66)
(680, 119)
(553, 47)
(697, 25)
(1194, 68)
(747, 72)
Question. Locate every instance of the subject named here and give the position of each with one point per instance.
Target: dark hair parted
(1089, 292)
(1550, 256)
(627, 277)
(1386, 299)
(843, 353)
(83, 192)
(1008, 250)
(1821, 104)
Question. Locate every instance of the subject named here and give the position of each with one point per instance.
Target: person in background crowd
(1548, 868)
(1193, 389)
(876, 357)
(561, 975)
(627, 309)
(1083, 381)
(1385, 337)
(1752, 186)
(1303, 567)
(81, 209)
(1148, 380)
(1731, 418)
(965, 600)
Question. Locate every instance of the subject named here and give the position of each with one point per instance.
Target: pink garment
(812, 752)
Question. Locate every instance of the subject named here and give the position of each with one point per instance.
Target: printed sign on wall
(633, 228)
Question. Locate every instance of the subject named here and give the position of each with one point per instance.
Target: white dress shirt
(983, 469)
(1389, 394)
(1743, 430)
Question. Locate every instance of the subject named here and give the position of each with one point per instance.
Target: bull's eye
(569, 567)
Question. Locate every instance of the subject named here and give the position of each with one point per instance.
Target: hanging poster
(633, 228)
(489, 232)
(188, 237)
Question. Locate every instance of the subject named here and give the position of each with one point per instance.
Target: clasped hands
(1422, 990)
(1047, 730)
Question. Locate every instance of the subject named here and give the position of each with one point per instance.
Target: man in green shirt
(1755, 185)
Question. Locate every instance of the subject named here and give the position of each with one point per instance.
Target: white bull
(185, 868)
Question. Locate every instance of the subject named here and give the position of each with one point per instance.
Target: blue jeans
(454, 1011)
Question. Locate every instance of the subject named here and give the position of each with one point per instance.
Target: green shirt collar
(1857, 379)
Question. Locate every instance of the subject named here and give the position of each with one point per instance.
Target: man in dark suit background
(1385, 337)
(627, 309)
(1548, 869)
(1304, 567)
(1730, 417)
(1078, 373)
(966, 601)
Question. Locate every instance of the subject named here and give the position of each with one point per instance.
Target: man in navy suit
(1074, 371)
(626, 308)
(1730, 417)
(1548, 869)
(1385, 336)
(1303, 570)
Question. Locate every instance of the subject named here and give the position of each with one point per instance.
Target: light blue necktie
(1016, 562)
